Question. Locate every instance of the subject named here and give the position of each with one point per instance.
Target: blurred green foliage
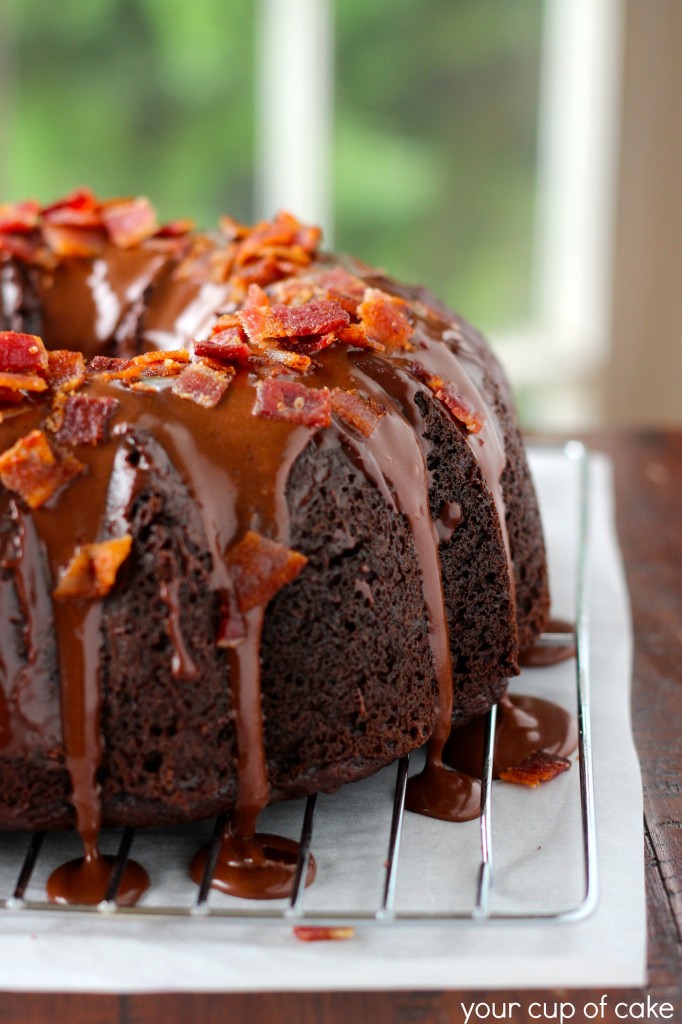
(150, 97)
(435, 124)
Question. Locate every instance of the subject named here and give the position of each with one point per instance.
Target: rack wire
(386, 912)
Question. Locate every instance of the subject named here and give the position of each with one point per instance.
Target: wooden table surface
(648, 469)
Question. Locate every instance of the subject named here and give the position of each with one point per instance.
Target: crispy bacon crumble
(259, 568)
(538, 767)
(91, 573)
(35, 471)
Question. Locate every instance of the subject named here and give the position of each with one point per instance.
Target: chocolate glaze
(127, 301)
(524, 725)
(259, 867)
(86, 879)
(540, 656)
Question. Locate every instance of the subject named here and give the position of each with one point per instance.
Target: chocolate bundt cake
(266, 521)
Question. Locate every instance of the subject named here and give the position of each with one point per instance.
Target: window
(465, 144)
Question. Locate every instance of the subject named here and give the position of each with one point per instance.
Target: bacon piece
(307, 933)
(33, 470)
(80, 419)
(293, 321)
(259, 568)
(81, 202)
(356, 336)
(91, 573)
(226, 346)
(21, 382)
(356, 410)
(289, 400)
(202, 384)
(385, 318)
(108, 365)
(19, 218)
(446, 393)
(80, 209)
(149, 364)
(22, 353)
(540, 766)
(65, 369)
(310, 345)
(84, 243)
(340, 280)
(232, 229)
(255, 296)
(12, 397)
(28, 249)
(271, 353)
(176, 228)
(284, 231)
(129, 221)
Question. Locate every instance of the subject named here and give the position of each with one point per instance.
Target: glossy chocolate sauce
(524, 725)
(126, 302)
(544, 655)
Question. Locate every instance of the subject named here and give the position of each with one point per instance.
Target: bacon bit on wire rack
(289, 400)
(81, 419)
(307, 933)
(259, 568)
(34, 471)
(91, 573)
(538, 767)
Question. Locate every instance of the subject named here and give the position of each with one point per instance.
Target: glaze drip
(524, 725)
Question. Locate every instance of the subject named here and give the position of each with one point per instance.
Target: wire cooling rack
(300, 909)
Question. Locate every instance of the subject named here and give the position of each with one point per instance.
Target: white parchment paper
(537, 846)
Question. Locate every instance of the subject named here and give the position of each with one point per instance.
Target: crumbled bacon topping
(289, 400)
(149, 364)
(227, 346)
(259, 568)
(385, 318)
(19, 218)
(538, 767)
(202, 384)
(446, 393)
(33, 470)
(81, 419)
(129, 221)
(65, 369)
(281, 321)
(21, 382)
(91, 573)
(356, 410)
(64, 240)
(22, 353)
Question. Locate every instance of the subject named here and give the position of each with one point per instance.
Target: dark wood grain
(648, 469)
